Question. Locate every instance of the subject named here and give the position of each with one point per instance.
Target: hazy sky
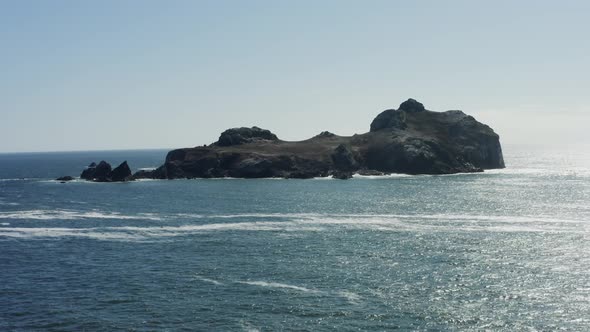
(82, 75)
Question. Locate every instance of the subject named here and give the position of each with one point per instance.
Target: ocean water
(503, 250)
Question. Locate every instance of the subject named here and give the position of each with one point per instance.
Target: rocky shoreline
(410, 140)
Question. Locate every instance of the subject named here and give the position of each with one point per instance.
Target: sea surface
(504, 250)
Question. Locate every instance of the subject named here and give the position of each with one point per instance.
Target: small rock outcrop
(103, 172)
(64, 178)
(342, 175)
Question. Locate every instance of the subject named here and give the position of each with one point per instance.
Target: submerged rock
(65, 178)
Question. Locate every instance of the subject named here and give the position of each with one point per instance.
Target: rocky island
(409, 139)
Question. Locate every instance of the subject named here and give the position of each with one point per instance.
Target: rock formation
(120, 173)
(410, 139)
(103, 172)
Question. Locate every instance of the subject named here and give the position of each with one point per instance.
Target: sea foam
(279, 285)
(73, 215)
(296, 223)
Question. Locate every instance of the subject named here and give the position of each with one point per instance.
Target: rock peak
(243, 135)
(411, 106)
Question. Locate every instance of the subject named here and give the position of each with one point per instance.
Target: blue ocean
(505, 250)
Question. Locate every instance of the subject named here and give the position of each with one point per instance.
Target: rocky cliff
(410, 139)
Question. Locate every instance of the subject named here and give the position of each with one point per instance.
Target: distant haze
(81, 75)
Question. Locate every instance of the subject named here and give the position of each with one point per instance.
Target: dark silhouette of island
(410, 140)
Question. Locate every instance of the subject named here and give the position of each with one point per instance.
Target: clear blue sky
(83, 75)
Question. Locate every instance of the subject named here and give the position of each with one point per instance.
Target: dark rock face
(395, 119)
(411, 106)
(236, 136)
(482, 150)
(88, 172)
(96, 172)
(343, 159)
(411, 140)
(120, 173)
(104, 173)
(370, 172)
(342, 175)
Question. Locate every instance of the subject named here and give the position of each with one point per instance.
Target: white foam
(215, 282)
(349, 296)
(393, 217)
(53, 232)
(279, 285)
(582, 172)
(248, 328)
(5, 224)
(384, 176)
(73, 215)
(308, 223)
(323, 178)
(18, 179)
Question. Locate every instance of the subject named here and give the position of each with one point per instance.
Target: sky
(121, 74)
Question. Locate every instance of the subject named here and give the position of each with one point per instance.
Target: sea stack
(409, 139)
